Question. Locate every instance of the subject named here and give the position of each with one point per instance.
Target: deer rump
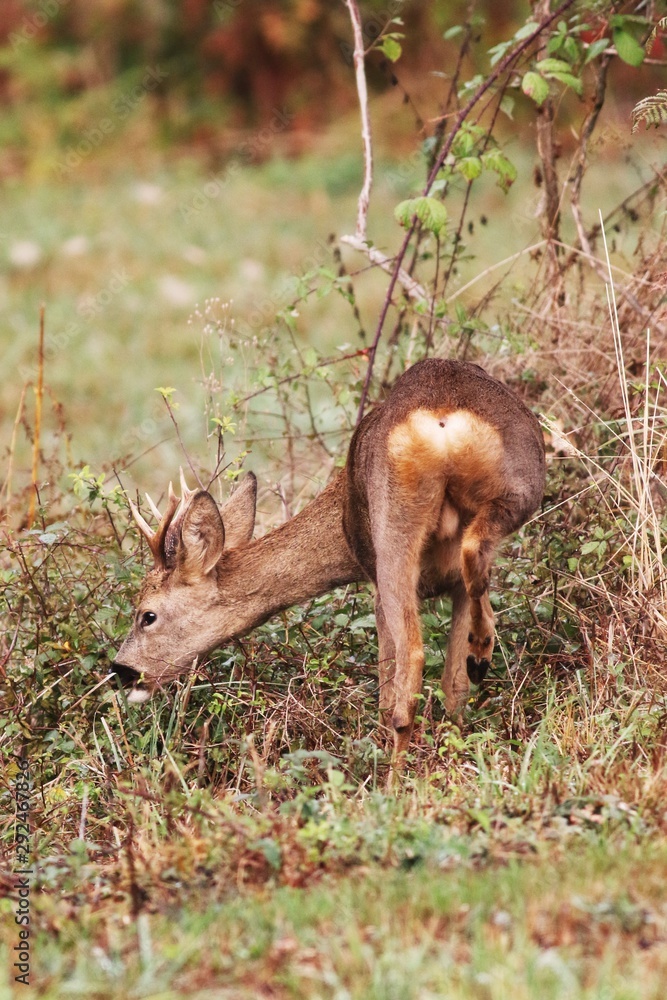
(436, 476)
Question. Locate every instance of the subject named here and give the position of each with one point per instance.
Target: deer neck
(305, 557)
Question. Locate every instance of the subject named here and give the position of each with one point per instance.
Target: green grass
(437, 930)
(122, 305)
(526, 865)
(456, 891)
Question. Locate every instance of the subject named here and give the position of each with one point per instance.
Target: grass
(121, 262)
(232, 838)
(434, 930)
(520, 869)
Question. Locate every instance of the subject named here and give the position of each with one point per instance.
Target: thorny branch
(549, 210)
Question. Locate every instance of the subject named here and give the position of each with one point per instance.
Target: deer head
(177, 617)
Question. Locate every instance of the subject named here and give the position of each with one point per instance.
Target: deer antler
(163, 541)
(174, 528)
(156, 538)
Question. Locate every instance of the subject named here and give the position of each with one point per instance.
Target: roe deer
(436, 476)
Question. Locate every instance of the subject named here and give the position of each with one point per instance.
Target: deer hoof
(477, 669)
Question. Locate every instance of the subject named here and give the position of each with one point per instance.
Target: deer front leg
(386, 666)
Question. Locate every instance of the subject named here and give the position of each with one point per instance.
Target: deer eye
(148, 618)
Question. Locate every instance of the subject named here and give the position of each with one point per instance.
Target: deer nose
(128, 676)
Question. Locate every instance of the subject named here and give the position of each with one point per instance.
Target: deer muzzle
(132, 679)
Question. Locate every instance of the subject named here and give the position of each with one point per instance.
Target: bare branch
(549, 207)
(586, 132)
(412, 287)
(360, 239)
(362, 91)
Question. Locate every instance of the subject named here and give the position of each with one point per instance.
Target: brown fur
(435, 477)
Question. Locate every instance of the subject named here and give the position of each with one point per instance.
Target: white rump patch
(457, 441)
(445, 434)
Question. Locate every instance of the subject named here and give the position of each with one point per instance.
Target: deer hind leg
(477, 550)
(386, 667)
(455, 681)
(397, 579)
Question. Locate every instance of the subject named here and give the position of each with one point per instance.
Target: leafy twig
(502, 67)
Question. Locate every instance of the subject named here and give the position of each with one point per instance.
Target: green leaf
(589, 547)
(547, 66)
(572, 49)
(404, 212)
(527, 30)
(555, 43)
(391, 48)
(570, 81)
(595, 49)
(464, 143)
(497, 161)
(507, 103)
(628, 48)
(363, 623)
(498, 51)
(535, 87)
(431, 213)
(470, 167)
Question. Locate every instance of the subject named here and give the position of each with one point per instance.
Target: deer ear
(202, 537)
(238, 514)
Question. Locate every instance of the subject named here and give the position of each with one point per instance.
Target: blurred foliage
(251, 56)
(213, 66)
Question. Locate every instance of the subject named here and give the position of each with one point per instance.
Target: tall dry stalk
(39, 396)
(645, 445)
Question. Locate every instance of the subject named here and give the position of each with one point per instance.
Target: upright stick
(39, 395)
